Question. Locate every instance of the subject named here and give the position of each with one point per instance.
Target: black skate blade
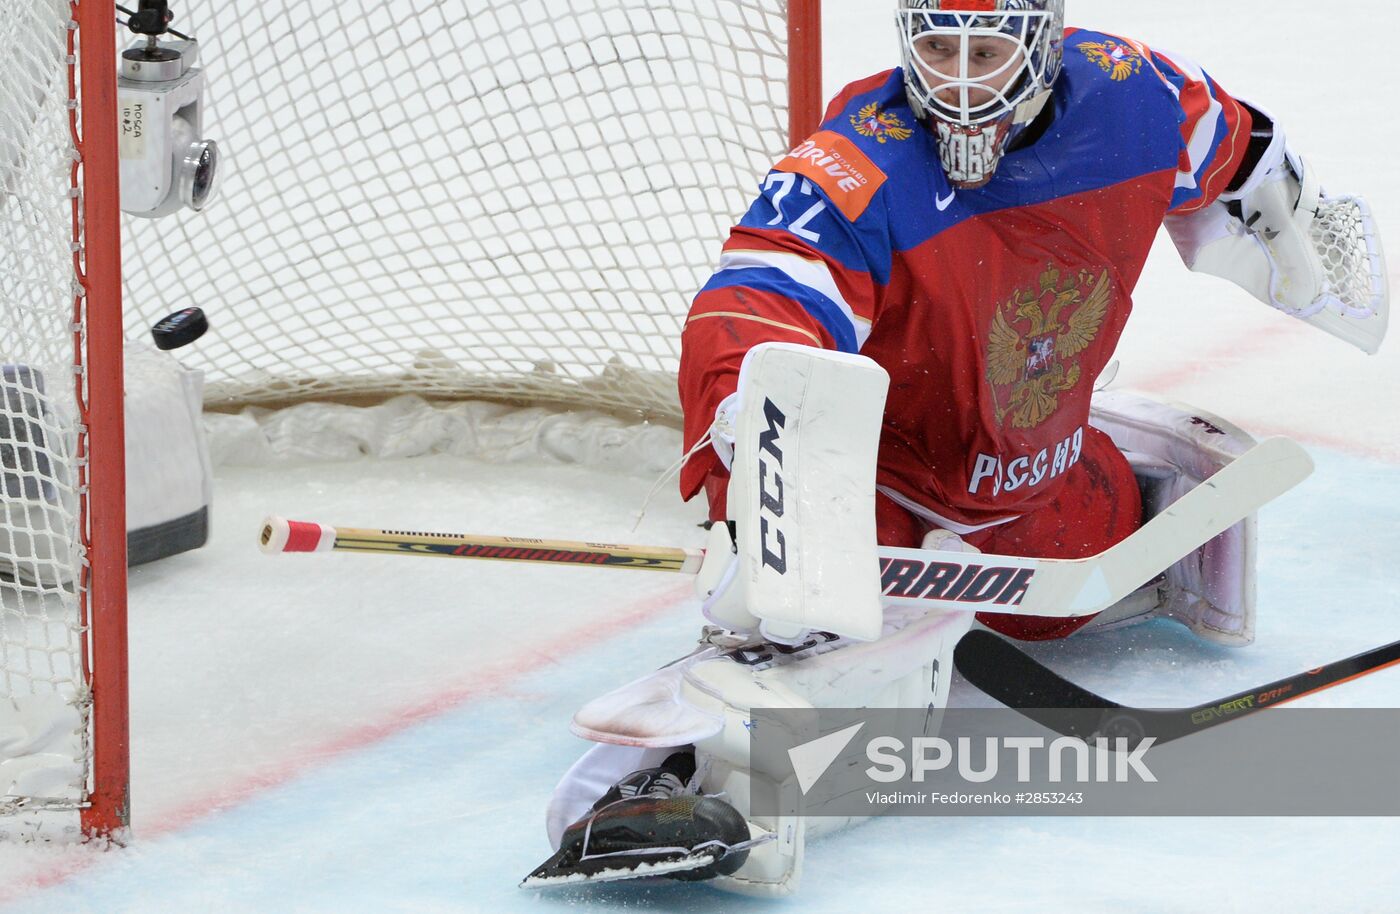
(557, 874)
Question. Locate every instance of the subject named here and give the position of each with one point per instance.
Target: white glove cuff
(722, 429)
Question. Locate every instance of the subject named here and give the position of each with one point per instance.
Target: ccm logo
(770, 497)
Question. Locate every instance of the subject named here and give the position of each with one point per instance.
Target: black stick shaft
(1019, 681)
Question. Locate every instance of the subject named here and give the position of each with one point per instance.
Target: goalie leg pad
(711, 695)
(910, 667)
(1173, 449)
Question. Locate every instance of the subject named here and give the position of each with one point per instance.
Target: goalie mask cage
(462, 199)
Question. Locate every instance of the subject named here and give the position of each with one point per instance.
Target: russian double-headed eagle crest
(1035, 338)
(1119, 61)
(882, 125)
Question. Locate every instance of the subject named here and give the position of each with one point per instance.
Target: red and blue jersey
(993, 310)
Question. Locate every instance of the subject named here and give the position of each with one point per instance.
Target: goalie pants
(1097, 504)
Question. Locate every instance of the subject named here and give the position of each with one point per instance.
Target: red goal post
(99, 264)
(805, 98)
(63, 664)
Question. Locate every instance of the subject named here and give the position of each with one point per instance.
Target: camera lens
(199, 174)
(204, 174)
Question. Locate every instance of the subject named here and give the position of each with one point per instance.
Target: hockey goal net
(470, 198)
(460, 199)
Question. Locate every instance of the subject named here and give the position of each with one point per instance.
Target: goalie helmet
(978, 71)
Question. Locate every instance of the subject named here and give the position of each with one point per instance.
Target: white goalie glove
(1283, 240)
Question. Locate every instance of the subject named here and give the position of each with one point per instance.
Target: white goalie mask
(978, 70)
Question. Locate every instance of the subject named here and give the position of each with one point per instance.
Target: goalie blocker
(801, 498)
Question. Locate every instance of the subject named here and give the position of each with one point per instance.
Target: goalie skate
(648, 825)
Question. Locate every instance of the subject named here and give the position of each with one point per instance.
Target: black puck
(180, 329)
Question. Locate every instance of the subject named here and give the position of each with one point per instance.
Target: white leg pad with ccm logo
(802, 498)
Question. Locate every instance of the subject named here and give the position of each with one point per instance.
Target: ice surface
(344, 734)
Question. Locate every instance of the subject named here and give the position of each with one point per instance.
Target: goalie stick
(1019, 681)
(921, 578)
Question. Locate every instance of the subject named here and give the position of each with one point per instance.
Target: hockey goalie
(900, 348)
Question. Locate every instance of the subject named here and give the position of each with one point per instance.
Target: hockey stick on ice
(1019, 681)
(280, 535)
(910, 577)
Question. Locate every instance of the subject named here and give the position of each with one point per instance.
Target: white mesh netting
(43, 698)
(465, 198)
(1347, 241)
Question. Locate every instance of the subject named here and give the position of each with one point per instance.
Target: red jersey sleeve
(795, 270)
(1215, 131)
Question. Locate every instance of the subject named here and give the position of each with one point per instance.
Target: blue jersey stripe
(824, 310)
(1185, 195)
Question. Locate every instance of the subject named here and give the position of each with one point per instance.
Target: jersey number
(784, 183)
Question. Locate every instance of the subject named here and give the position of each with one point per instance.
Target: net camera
(166, 164)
